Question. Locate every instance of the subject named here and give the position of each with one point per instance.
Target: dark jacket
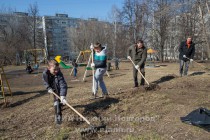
(55, 82)
(74, 64)
(139, 56)
(184, 50)
(100, 58)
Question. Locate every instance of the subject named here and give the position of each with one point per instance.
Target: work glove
(184, 56)
(63, 100)
(50, 91)
(91, 46)
(191, 60)
(137, 67)
(128, 57)
(92, 65)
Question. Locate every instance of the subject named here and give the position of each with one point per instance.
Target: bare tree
(13, 36)
(90, 31)
(32, 21)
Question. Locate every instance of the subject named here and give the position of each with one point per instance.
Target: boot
(142, 79)
(58, 114)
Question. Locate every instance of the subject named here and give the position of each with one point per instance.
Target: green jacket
(139, 56)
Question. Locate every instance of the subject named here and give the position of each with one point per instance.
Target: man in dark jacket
(55, 83)
(138, 53)
(186, 55)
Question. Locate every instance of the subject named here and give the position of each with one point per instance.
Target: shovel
(92, 128)
(150, 86)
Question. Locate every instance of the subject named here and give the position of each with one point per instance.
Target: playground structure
(85, 56)
(39, 55)
(81, 58)
(3, 82)
(88, 67)
(61, 63)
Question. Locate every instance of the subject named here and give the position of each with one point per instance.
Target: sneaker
(106, 96)
(94, 96)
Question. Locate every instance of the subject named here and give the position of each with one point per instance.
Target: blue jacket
(55, 82)
(100, 58)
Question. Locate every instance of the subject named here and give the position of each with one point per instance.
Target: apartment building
(58, 34)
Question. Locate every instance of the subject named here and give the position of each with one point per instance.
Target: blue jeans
(75, 72)
(184, 65)
(99, 73)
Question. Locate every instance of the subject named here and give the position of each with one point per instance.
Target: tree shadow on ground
(197, 73)
(38, 94)
(165, 79)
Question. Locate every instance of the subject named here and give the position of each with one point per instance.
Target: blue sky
(74, 8)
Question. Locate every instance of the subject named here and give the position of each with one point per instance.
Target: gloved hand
(184, 56)
(137, 67)
(91, 46)
(63, 100)
(128, 57)
(191, 60)
(92, 65)
(50, 91)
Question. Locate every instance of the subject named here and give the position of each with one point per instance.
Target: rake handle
(93, 73)
(139, 72)
(197, 63)
(73, 110)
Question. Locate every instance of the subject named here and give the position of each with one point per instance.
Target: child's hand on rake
(50, 91)
(92, 65)
(91, 46)
(63, 100)
(128, 57)
(137, 67)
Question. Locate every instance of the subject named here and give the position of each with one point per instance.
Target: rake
(92, 128)
(150, 86)
(199, 64)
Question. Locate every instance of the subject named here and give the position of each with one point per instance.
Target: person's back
(116, 63)
(29, 69)
(75, 65)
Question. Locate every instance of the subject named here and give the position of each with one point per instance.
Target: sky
(100, 9)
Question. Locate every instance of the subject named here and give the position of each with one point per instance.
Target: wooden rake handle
(93, 71)
(73, 110)
(197, 63)
(139, 71)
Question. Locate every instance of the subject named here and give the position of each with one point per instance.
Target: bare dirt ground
(128, 113)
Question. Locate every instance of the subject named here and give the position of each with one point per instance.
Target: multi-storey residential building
(58, 36)
(55, 33)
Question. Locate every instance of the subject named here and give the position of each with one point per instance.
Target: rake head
(92, 130)
(152, 86)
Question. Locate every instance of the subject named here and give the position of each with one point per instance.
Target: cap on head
(97, 45)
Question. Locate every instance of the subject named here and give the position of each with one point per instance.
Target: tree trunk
(162, 53)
